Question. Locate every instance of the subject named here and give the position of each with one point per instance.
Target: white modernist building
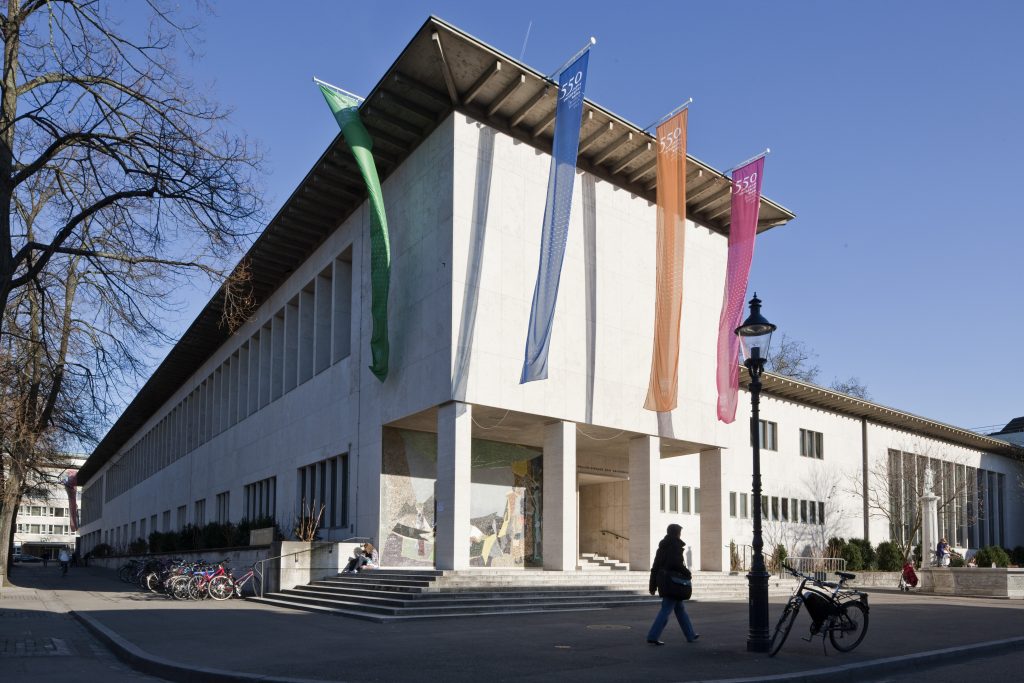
(451, 462)
(44, 523)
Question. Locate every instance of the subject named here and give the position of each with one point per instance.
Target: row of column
(454, 465)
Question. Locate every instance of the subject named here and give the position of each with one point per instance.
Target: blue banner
(568, 115)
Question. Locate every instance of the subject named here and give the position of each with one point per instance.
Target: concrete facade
(289, 398)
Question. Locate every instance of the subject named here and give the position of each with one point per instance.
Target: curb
(140, 660)
(854, 673)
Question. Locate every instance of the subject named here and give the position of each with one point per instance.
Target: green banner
(346, 111)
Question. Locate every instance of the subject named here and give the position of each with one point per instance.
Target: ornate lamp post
(755, 334)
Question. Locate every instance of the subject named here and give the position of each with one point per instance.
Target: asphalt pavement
(241, 641)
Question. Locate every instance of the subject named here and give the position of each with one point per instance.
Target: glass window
(732, 503)
(684, 499)
(673, 499)
(775, 507)
(785, 509)
(662, 507)
(811, 444)
(696, 501)
(744, 506)
(813, 516)
(821, 513)
(803, 512)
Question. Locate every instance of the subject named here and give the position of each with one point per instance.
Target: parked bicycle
(226, 585)
(840, 612)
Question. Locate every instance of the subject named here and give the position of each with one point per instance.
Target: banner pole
(341, 90)
(669, 115)
(766, 152)
(590, 43)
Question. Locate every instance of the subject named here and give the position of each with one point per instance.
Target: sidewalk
(599, 645)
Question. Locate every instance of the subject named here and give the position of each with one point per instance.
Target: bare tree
(851, 386)
(896, 484)
(119, 183)
(791, 358)
(824, 484)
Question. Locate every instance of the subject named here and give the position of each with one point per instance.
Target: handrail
(329, 544)
(612, 533)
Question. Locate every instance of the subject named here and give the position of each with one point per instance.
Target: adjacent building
(451, 462)
(45, 521)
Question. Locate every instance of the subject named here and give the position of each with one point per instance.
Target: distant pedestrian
(669, 565)
(46, 560)
(65, 560)
(74, 559)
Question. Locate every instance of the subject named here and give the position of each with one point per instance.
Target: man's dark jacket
(668, 560)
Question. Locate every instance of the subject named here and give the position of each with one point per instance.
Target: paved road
(599, 645)
(40, 641)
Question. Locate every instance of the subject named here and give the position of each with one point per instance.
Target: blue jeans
(669, 605)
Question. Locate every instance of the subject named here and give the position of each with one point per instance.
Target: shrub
(992, 553)
(102, 550)
(867, 553)
(779, 556)
(1017, 556)
(957, 562)
(218, 535)
(852, 555)
(888, 557)
(138, 547)
(835, 547)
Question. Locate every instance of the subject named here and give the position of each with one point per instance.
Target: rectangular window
(182, 517)
(803, 512)
(813, 516)
(785, 509)
(744, 511)
(764, 508)
(673, 499)
(732, 503)
(324, 484)
(167, 520)
(821, 513)
(662, 488)
(775, 508)
(152, 522)
(133, 536)
(142, 528)
(767, 432)
(200, 517)
(684, 499)
(261, 499)
(811, 444)
(696, 501)
(223, 507)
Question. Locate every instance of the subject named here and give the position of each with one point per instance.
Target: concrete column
(454, 463)
(644, 479)
(714, 555)
(365, 474)
(560, 506)
(929, 528)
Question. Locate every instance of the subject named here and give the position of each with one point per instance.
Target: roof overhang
(809, 394)
(440, 71)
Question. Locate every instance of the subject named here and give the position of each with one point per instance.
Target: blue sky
(895, 135)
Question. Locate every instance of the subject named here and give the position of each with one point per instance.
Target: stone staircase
(385, 595)
(590, 562)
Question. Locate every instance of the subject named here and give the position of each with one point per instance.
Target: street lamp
(755, 334)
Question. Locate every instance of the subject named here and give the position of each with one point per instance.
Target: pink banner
(746, 200)
(70, 485)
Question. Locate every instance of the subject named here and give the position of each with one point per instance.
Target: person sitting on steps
(364, 556)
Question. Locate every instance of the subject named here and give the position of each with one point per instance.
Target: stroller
(908, 577)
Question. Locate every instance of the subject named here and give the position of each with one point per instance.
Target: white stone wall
(340, 410)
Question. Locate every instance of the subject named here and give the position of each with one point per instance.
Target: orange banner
(671, 199)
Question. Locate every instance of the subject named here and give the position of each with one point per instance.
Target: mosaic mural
(505, 502)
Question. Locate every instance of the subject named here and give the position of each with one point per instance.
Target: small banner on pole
(346, 111)
(70, 486)
(568, 116)
(671, 201)
(746, 201)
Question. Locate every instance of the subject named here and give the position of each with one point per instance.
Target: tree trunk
(8, 513)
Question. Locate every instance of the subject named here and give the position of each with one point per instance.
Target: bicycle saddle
(845, 575)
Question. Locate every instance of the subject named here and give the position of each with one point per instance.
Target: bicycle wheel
(850, 627)
(151, 582)
(220, 587)
(783, 627)
(124, 572)
(179, 588)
